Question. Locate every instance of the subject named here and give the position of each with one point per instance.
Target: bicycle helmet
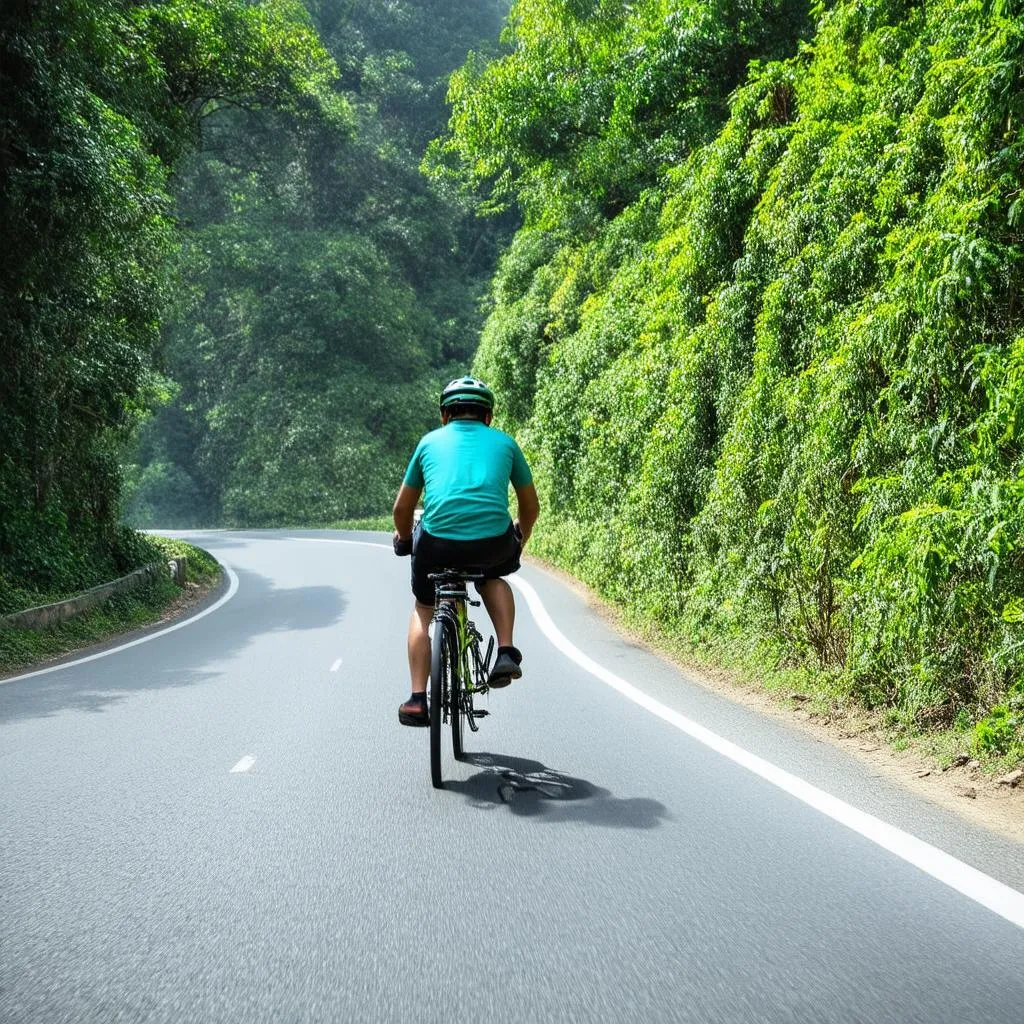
(467, 391)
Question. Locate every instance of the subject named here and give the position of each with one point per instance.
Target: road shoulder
(192, 599)
(964, 790)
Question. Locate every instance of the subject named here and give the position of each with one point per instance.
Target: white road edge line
(990, 893)
(232, 590)
(1008, 903)
(187, 533)
(331, 540)
(336, 665)
(244, 765)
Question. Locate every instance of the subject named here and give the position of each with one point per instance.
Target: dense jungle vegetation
(759, 329)
(99, 101)
(762, 331)
(213, 209)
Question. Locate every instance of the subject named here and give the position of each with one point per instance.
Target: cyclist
(466, 466)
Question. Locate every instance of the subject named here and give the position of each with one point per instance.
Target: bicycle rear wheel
(455, 690)
(441, 648)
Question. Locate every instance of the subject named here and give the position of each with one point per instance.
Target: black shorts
(493, 556)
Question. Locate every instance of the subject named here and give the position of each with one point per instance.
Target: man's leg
(419, 646)
(501, 607)
(414, 710)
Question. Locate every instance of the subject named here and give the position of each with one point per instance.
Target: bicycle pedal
(480, 712)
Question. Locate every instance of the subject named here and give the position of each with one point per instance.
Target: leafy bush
(775, 400)
(998, 730)
(202, 567)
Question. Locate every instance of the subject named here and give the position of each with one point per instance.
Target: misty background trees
(324, 286)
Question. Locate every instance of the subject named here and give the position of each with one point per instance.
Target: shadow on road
(179, 659)
(530, 789)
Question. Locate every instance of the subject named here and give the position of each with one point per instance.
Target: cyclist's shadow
(530, 789)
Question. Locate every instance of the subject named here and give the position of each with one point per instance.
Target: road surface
(227, 823)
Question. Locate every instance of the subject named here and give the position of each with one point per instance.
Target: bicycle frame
(451, 602)
(457, 670)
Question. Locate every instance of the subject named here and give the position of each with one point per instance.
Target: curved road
(227, 823)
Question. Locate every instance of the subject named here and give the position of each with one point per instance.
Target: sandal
(414, 710)
(506, 668)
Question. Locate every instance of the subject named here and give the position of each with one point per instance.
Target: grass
(380, 524)
(744, 661)
(20, 648)
(202, 566)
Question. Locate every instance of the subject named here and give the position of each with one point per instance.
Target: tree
(326, 286)
(98, 100)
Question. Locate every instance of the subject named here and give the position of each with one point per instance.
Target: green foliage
(771, 378)
(51, 566)
(1001, 729)
(325, 288)
(97, 99)
(201, 566)
(376, 524)
(596, 98)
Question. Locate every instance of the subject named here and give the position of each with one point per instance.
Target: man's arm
(529, 509)
(405, 506)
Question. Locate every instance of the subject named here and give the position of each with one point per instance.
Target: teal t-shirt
(465, 468)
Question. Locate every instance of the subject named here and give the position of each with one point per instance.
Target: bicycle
(458, 670)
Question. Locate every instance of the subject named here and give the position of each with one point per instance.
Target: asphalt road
(591, 862)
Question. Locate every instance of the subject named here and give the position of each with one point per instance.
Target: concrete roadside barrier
(49, 614)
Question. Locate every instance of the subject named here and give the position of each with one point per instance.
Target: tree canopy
(324, 289)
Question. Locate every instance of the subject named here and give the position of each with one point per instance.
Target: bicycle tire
(455, 688)
(440, 662)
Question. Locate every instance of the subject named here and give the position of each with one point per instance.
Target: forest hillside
(745, 274)
(762, 331)
(324, 288)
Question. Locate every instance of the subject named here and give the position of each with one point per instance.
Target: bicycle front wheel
(441, 685)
